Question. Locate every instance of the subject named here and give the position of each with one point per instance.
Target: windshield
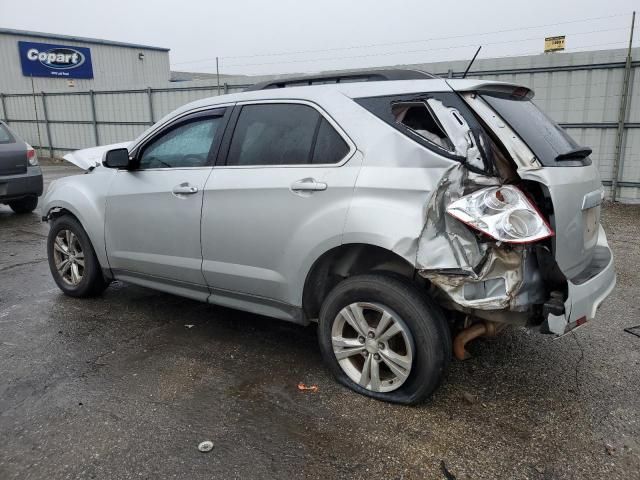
(546, 139)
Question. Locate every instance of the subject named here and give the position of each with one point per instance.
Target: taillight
(32, 157)
(503, 213)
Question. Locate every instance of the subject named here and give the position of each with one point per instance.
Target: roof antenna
(471, 62)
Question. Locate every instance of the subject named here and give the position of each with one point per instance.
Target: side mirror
(117, 158)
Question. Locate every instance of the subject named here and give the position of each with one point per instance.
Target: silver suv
(405, 213)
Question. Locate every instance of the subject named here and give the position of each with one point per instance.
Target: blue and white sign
(48, 60)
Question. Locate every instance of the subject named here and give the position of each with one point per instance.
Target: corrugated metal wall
(114, 67)
(579, 90)
(85, 119)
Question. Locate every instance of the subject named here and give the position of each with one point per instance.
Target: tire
(91, 282)
(24, 205)
(423, 337)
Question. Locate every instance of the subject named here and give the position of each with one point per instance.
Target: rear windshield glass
(546, 139)
(5, 136)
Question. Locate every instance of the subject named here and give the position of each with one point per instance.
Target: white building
(66, 63)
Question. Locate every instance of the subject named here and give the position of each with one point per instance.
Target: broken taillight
(504, 213)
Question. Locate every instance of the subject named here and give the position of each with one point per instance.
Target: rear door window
(274, 134)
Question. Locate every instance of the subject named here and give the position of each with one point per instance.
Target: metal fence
(589, 98)
(56, 123)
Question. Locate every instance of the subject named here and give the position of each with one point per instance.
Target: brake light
(32, 158)
(503, 213)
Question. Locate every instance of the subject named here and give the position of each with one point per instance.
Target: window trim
(223, 154)
(223, 111)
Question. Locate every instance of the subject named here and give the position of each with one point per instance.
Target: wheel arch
(344, 261)
(94, 229)
(56, 212)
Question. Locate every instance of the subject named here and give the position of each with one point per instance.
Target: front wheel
(382, 337)
(72, 260)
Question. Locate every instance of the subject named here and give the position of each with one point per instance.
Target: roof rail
(348, 77)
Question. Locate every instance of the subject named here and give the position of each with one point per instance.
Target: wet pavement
(120, 387)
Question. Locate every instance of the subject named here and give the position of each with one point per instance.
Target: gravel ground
(119, 387)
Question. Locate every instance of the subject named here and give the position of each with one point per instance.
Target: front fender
(84, 196)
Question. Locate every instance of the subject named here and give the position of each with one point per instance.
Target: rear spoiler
(518, 92)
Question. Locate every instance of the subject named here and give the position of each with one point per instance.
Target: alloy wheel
(373, 346)
(68, 257)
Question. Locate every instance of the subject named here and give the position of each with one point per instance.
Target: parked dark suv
(20, 174)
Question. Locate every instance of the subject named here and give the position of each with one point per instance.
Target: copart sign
(48, 60)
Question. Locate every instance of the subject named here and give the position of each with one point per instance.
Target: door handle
(184, 189)
(308, 185)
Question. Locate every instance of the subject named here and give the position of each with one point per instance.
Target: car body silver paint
(391, 193)
(151, 231)
(584, 299)
(393, 188)
(574, 239)
(85, 197)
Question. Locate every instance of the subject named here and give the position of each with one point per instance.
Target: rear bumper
(587, 293)
(14, 187)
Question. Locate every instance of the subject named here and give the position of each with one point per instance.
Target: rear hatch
(13, 153)
(565, 169)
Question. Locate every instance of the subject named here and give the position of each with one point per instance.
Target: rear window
(5, 135)
(546, 139)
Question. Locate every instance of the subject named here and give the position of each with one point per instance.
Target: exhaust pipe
(482, 329)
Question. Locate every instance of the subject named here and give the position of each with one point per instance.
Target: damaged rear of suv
(533, 251)
(511, 234)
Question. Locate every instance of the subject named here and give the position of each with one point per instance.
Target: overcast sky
(280, 36)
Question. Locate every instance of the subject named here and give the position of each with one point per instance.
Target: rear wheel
(24, 205)
(382, 337)
(72, 260)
